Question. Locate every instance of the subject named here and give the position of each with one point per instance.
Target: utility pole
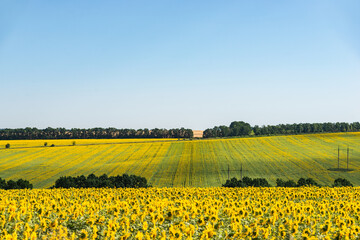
(235, 170)
(348, 157)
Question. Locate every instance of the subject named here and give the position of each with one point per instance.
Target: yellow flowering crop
(173, 163)
(181, 213)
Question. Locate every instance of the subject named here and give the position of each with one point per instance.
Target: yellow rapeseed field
(181, 213)
(173, 163)
(78, 142)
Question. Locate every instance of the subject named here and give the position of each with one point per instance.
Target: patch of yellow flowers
(181, 213)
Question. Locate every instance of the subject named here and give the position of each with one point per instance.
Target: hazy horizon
(175, 64)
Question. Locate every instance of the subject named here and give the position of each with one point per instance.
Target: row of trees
(97, 133)
(133, 181)
(240, 128)
(301, 182)
(246, 182)
(236, 128)
(262, 182)
(339, 182)
(103, 181)
(11, 184)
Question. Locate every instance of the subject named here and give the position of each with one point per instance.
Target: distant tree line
(11, 184)
(240, 128)
(97, 133)
(103, 181)
(262, 182)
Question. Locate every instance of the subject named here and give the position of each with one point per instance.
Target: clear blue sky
(193, 64)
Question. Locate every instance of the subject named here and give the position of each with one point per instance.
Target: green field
(185, 163)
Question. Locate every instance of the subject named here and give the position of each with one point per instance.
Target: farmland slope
(167, 163)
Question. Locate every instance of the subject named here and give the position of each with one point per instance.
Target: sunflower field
(181, 213)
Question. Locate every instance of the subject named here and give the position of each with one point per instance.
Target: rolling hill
(172, 162)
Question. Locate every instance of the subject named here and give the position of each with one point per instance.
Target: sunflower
(176, 234)
(201, 221)
(139, 235)
(145, 225)
(214, 218)
(83, 234)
